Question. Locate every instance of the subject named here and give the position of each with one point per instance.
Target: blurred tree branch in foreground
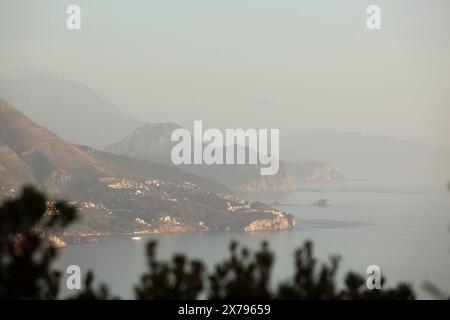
(26, 253)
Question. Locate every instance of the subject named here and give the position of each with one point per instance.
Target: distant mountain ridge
(313, 171)
(152, 142)
(65, 106)
(45, 153)
(360, 155)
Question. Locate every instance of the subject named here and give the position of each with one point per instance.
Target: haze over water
(400, 225)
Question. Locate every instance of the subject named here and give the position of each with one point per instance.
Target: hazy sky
(294, 65)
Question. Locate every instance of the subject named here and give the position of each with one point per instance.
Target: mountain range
(118, 194)
(152, 142)
(65, 106)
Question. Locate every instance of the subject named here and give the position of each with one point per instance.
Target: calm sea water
(400, 225)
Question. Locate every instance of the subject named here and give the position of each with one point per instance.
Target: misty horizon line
(283, 133)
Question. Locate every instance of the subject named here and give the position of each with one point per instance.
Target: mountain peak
(150, 141)
(164, 129)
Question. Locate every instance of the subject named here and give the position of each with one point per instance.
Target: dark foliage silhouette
(89, 292)
(246, 275)
(243, 275)
(26, 253)
(312, 281)
(176, 279)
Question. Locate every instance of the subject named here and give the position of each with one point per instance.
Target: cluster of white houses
(241, 206)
